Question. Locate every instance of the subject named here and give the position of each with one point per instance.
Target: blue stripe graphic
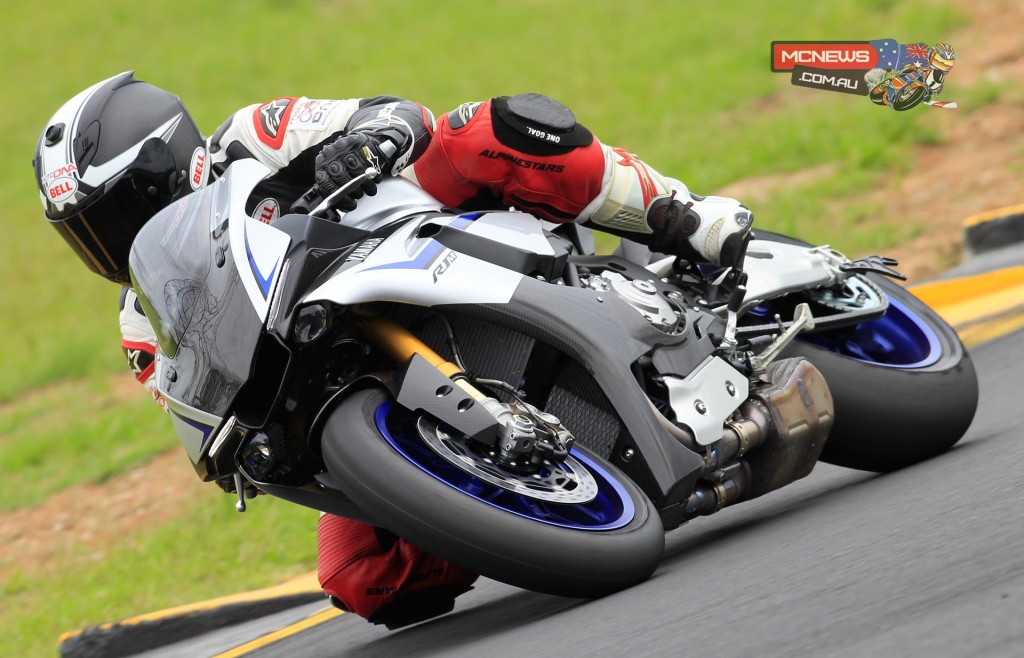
(263, 282)
(423, 260)
(205, 429)
(420, 262)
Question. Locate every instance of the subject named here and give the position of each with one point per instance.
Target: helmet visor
(101, 232)
(940, 62)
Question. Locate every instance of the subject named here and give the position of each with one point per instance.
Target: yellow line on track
(990, 329)
(282, 633)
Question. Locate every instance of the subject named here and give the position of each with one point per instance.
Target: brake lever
(878, 264)
(327, 203)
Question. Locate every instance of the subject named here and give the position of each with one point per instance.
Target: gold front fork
(400, 345)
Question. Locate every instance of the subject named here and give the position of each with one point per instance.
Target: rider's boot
(381, 577)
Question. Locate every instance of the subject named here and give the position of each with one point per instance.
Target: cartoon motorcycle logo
(903, 90)
(919, 81)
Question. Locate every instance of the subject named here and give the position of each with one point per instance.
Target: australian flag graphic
(895, 55)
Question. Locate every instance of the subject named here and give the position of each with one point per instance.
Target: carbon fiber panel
(317, 261)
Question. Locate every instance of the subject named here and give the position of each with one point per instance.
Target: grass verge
(82, 430)
(208, 552)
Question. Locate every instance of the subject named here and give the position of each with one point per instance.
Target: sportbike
(481, 385)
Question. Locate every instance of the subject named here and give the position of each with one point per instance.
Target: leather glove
(348, 157)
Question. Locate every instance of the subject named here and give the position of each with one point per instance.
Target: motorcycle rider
(525, 151)
(941, 59)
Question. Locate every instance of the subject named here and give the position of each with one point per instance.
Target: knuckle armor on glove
(346, 158)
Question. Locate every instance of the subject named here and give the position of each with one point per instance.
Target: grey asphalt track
(927, 561)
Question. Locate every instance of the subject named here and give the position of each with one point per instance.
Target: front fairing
(198, 302)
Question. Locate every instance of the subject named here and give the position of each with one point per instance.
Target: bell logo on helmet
(61, 189)
(198, 167)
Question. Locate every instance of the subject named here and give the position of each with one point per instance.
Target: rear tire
(889, 416)
(386, 468)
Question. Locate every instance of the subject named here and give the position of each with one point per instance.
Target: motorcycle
(481, 385)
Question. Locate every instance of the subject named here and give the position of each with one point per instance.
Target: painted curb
(154, 630)
(980, 307)
(993, 230)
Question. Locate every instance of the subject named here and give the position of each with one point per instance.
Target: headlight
(311, 323)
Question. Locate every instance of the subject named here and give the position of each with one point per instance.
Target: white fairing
(775, 268)
(396, 198)
(512, 228)
(424, 272)
(193, 426)
(258, 249)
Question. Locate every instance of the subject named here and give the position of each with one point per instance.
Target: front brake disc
(567, 482)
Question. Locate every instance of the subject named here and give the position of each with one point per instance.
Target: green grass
(75, 432)
(212, 551)
(685, 85)
(860, 227)
(987, 91)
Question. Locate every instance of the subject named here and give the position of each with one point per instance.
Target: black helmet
(109, 159)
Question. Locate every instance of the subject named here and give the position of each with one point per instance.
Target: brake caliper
(532, 437)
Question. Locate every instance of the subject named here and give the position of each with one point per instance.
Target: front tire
(372, 449)
(909, 97)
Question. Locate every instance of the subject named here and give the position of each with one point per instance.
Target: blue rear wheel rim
(899, 339)
(611, 509)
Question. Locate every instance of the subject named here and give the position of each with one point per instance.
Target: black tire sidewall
(477, 536)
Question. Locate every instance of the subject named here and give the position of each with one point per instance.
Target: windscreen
(169, 261)
(193, 296)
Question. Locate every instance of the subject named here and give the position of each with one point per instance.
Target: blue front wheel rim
(612, 508)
